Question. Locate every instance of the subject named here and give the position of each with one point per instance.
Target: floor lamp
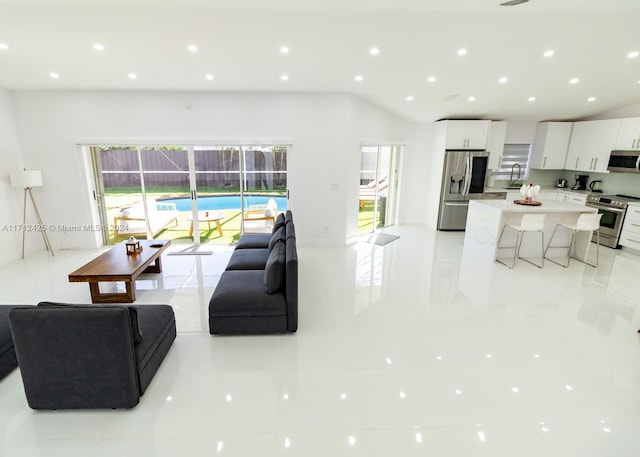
(26, 180)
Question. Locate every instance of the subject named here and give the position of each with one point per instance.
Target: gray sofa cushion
(133, 315)
(254, 241)
(240, 293)
(278, 235)
(248, 259)
(274, 268)
(280, 221)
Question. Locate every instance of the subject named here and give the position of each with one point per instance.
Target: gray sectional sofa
(258, 291)
(89, 356)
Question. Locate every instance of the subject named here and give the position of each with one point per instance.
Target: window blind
(513, 154)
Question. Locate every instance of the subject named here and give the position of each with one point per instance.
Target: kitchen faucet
(511, 181)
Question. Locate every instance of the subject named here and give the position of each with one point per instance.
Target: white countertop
(548, 206)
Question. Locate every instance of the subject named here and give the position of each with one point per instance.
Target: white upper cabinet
(550, 145)
(467, 134)
(591, 144)
(629, 138)
(495, 143)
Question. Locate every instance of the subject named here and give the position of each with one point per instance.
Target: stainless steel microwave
(624, 161)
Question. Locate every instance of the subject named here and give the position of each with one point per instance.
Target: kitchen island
(486, 218)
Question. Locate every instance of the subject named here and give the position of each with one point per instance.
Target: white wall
(325, 131)
(10, 198)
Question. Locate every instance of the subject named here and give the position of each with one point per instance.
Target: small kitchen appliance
(595, 186)
(581, 182)
(561, 183)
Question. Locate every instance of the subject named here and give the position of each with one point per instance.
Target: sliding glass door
(199, 194)
(378, 187)
(264, 184)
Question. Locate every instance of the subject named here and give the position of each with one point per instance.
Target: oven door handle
(606, 208)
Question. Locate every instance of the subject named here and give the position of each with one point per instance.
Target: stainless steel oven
(613, 209)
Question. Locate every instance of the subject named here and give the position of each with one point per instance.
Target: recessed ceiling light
(591, 99)
(209, 77)
(374, 51)
(431, 79)
(532, 99)
(4, 46)
(409, 98)
(633, 54)
(462, 52)
(284, 50)
(359, 78)
(98, 47)
(192, 48)
(549, 53)
(284, 77)
(574, 81)
(54, 75)
(503, 80)
(472, 99)
(132, 76)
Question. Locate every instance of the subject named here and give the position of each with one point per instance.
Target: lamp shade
(26, 178)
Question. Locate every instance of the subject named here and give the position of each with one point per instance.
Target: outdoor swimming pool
(218, 202)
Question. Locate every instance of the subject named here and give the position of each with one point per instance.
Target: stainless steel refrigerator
(462, 180)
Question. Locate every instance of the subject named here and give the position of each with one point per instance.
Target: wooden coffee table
(116, 265)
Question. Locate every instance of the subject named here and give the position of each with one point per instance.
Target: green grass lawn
(117, 198)
(365, 219)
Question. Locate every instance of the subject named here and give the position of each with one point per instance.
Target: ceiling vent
(513, 2)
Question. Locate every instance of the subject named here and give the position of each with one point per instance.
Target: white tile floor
(415, 348)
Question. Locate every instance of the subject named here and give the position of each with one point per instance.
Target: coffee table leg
(126, 297)
(131, 290)
(95, 292)
(156, 267)
(219, 227)
(191, 229)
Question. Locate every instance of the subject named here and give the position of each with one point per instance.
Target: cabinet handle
(577, 160)
(591, 165)
(595, 163)
(631, 239)
(635, 225)
(633, 145)
(544, 162)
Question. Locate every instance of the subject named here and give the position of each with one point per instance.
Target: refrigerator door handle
(467, 176)
(464, 203)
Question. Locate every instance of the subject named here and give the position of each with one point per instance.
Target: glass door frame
(93, 154)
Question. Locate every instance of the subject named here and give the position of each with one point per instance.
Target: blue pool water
(225, 202)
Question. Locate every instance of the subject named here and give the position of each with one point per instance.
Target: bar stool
(585, 223)
(528, 223)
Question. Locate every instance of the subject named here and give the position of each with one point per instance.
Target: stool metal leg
(550, 246)
(597, 249)
(515, 248)
(541, 251)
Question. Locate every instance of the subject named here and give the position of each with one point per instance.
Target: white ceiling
(239, 40)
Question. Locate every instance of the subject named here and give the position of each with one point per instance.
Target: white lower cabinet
(571, 197)
(630, 235)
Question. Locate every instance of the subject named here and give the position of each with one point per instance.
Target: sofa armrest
(291, 284)
(76, 357)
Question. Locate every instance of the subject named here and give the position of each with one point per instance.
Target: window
(513, 154)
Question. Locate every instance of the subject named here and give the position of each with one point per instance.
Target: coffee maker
(581, 182)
